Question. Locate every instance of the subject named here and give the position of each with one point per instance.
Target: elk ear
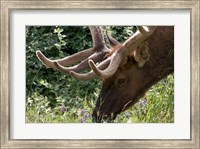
(141, 55)
(112, 41)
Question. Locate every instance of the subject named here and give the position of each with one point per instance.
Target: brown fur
(115, 48)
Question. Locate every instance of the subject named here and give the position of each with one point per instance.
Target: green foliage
(120, 33)
(53, 97)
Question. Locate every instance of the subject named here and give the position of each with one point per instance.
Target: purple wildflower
(142, 102)
(63, 108)
(82, 112)
(85, 115)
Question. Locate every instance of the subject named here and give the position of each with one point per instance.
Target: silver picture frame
(192, 6)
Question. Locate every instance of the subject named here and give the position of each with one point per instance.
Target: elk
(127, 70)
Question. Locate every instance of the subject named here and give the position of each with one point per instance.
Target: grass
(71, 103)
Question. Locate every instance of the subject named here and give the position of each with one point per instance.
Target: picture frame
(7, 6)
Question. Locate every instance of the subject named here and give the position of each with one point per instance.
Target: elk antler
(96, 53)
(113, 42)
(128, 46)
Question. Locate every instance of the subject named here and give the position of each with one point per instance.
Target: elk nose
(96, 116)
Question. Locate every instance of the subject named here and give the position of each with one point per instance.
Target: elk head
(127, 70)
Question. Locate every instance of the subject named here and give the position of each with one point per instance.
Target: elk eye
(121, 81)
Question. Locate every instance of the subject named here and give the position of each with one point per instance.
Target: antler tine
(91, 74)
(113, 42)
(97, 38)
(132, 43)
(145, 29)
(83, 77)
(64, 61)
(136, 39)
